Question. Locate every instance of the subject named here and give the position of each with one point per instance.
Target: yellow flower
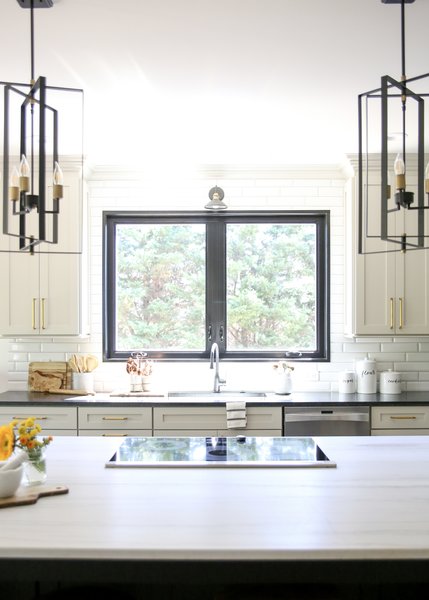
(7, 441)
(22, 434)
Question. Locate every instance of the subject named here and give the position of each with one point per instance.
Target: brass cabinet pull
(391, 313)
(21, 418)
(114, 434)
(403, 417)
(33, 313)
(42, 312)
(115, 418)
(401, 313)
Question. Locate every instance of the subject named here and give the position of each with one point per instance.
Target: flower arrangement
(23, 435)
(140, 366)
(282, 367)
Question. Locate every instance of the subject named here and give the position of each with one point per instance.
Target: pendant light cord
(403, 79)
(32, 39)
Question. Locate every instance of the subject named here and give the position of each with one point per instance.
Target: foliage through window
(255, 282)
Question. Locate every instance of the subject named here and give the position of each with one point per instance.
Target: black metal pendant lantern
(32, 175)
(392, 141)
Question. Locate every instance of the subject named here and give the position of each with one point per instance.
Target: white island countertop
(374, 506)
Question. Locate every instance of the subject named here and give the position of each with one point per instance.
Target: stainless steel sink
(220, 395)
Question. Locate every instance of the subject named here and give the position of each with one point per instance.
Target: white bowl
(10, 480)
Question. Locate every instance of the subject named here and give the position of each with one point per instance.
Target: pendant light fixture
(32, 173)
(392, 151)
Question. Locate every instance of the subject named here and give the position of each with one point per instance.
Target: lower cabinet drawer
(48, 417)
(124, 418)
(116, 433)
(214, 418)
(400, 417)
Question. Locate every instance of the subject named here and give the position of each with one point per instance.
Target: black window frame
(216, 280)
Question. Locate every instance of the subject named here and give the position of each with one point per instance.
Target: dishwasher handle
(335, 416)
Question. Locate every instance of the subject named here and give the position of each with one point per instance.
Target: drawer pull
(115, 418)
(114, 434)
(27, 417)
(403, 417)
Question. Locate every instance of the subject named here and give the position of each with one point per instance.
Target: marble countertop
(271, 399)
(363, 521)
(372, 506)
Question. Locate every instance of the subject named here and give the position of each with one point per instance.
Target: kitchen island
(362, 524)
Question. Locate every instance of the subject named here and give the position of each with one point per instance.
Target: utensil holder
(83, 381)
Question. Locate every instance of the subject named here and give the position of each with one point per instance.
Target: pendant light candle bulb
(399, 168)
(14, 185)
(58, 181)
(24, 174)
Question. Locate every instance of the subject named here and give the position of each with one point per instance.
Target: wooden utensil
(20, 499)
(91, 363)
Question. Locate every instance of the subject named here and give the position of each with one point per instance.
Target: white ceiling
(216, 81)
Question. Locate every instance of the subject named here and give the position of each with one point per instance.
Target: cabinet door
(20, 298)
(115, 418)
(390, 290)
(198, 418)
(42, 295)
(50, 418)
(390, 418)
(412, 286)
(374, 282)
(59, 300)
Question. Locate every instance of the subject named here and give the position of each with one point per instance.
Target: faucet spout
(214, 362)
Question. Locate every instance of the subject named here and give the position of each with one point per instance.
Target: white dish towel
(236, 417)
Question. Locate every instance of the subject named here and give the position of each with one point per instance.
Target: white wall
(263, 187)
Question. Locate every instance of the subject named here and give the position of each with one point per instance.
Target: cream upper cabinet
(41, 294)
(386, 293)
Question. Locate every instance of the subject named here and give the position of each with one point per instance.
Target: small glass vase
(35, 470)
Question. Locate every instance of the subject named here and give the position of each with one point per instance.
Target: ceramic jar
(283, 382)
(390, 382)
(347, 382)
(366, 375)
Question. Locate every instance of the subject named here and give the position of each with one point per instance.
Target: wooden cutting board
(31, 497)
(48, 376)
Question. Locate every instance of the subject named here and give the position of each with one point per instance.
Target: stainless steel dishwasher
(326, 420)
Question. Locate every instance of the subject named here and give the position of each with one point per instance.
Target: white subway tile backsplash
(309, 187)
(399, 347)
(368, 347)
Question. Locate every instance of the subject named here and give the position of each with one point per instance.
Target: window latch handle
(209, 333)
(221, 336)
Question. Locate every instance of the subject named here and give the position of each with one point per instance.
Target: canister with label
(366, 376)
(347, 382)
(390, 382)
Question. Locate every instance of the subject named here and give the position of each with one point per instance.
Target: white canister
(347, 382)
(366, 375)
(83, 381)
(390, 382)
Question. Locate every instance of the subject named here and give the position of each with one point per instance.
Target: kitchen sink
(218, 395)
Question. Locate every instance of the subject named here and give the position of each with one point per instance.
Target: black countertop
(17, 398)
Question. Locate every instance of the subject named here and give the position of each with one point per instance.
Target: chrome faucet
(214, 361)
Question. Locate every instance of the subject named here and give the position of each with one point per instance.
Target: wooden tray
(31, 497)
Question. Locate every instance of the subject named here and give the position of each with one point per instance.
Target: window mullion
(216, 283)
